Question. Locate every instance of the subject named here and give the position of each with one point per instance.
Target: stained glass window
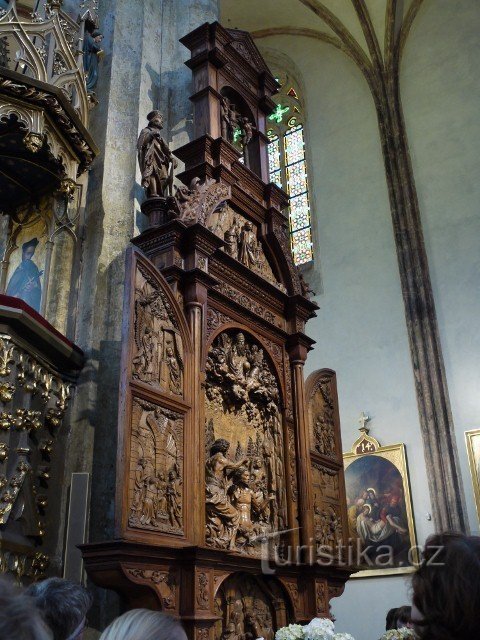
(287, 166)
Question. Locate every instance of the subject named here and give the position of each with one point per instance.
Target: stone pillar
(142, 70)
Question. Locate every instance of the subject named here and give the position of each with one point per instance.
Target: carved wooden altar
(220, 468)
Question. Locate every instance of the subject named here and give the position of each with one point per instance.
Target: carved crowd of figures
(159, 351)
(245, 489)
(157, 480)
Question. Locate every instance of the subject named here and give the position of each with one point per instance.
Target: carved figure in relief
(230, 119)
(232, 237)
(247, 131)
(175, 372)
(149, 501)
(173, 496)
(155, 159)
(324, 432)
(145, 358)
(157, 482)
(240, 386)
(222, 517)
(244, 499)
(248, 251)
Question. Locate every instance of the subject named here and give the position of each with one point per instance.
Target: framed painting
(380, 515)
(473, 449)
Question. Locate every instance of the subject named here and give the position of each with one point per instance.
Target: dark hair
(64, 605)
(391, 621)
(18, 617)
(446, 588)
(403, 616)
(219, 445)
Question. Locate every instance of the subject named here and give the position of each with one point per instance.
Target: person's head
(155, 118)
(241, 476)
(144, 624)
(19, 618)
(403, 617)
(64, 606)
(28, 249)
(372, 494)
(390, 622)
(446, 588)
(219, 446)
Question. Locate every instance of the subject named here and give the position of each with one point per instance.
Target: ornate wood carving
(245, 486)
(156, 468)
(159, 358)
(165, 584)
(327, 475)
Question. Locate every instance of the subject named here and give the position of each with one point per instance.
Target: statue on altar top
(155, 159)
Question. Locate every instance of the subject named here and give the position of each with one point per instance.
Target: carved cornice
(52, 101)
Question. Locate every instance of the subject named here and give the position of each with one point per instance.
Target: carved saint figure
(149, 501)
(144, 361)
(25, 281)
(174, 371)
(92, 52)
(173, 500)
(161, 496)
(222, 517)
(231, 237)
(247, 253)
(155, 158)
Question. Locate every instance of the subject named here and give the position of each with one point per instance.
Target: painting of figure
(473, 448)
(379, 510)
(25, 280)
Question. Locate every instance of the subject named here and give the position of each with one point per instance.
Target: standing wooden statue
(155, 158)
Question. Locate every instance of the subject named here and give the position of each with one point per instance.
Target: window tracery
(287, 165)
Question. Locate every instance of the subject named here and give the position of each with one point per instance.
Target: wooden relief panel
(326, 505)
(156, 469)
(240, 235)
(327, 474)
(248, 610)
(158, 359)
(321, 409)
(245, 475)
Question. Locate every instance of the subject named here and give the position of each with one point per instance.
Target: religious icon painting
(26, 265)
(473, 448)
(380, 515)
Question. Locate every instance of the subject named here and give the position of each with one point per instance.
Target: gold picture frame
(473, 449)
(380, 514)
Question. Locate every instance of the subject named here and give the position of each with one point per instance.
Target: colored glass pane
(296, 179)
(278, 113)
(274, 154)
(294, 145)
(299, 212)
(292, 93)
(302, 246)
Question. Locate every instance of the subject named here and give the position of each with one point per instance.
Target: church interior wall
(440, 104)
(360, 329)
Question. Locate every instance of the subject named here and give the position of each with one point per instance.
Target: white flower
(292, 632)
(319, 629)
(343, 636)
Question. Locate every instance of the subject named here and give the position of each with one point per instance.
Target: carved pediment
(243, 43)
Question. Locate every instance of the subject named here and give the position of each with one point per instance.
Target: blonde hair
(144, 624)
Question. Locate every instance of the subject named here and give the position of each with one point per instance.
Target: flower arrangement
(317, 629)
(399, 634)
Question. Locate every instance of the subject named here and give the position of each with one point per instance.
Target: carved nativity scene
(224, 461)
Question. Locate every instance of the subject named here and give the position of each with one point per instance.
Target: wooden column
(298, 354)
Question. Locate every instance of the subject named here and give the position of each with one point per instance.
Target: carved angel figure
(155, 158)
(247, 253)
